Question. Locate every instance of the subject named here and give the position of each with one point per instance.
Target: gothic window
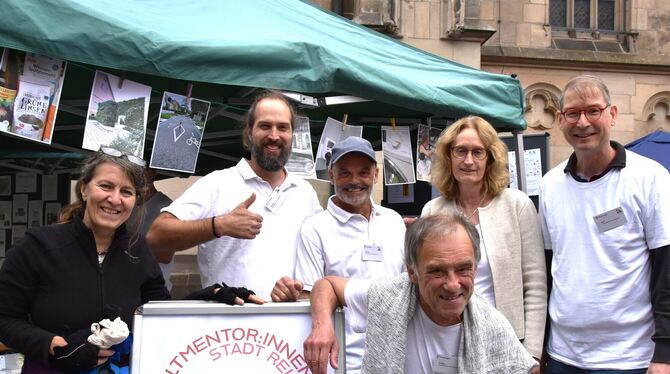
(602, 15)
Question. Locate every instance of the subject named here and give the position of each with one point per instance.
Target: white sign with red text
(200, 337)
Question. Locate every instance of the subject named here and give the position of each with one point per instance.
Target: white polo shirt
(256, 263)
(600, 308)
(334, 242)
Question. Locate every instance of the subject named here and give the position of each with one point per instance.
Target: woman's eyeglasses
(116, 153)
(461, 153)
(592, 114)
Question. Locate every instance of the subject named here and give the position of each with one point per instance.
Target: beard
(360, 199)
(267, 162)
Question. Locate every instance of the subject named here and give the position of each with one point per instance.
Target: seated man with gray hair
(426, 320)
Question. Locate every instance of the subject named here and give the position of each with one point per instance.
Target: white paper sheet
(533, 160)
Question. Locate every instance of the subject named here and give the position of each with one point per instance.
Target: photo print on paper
(301, 161)
(117, 115)
(426, 141)
(179, 131)
(333, 132)
(398, 161)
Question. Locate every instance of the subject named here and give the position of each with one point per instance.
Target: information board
(203, 337)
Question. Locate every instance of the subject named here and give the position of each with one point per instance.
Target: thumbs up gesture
(240, 222)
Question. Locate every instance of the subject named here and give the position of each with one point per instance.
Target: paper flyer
(20, 208)
(301, 161)
(533, 161)
(51, 211)
(35, 213)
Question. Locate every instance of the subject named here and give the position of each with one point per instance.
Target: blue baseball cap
(350, 145)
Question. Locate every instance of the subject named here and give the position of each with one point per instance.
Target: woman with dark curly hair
(470, 170)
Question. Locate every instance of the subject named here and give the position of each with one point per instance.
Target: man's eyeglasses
(592, 114)
(461, 153)
(116, 153)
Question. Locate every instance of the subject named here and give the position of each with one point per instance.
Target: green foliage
(108, 112)
(131, 143)
(134, 111)
(123, 145)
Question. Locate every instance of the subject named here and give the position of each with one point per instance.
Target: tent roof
(285, 44)
(655, 146)
(226, 47)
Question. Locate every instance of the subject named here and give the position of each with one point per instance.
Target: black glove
(111, 311)
(78, 354)
(225, 294)
(206, 293)
(228, 294)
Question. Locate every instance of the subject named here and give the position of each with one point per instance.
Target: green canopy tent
(227, 47)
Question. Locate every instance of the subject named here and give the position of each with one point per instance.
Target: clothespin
(345, 117)
(189, 89)
(121, 79)
(393, 124)
(428, 122)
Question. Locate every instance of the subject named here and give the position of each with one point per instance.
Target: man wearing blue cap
(352, 238)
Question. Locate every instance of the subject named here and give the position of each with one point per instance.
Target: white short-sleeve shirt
(600, 307)
(333, 243)
(257, 263)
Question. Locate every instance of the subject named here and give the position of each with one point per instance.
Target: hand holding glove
(78, 354)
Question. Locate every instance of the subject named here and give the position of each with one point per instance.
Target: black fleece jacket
(51, 284)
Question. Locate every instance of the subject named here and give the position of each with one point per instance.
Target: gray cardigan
(488, 344)
(511, 232)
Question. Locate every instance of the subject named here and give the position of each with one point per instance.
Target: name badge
(445, 365)
(274, 201)
(610, 219)
(373, 252)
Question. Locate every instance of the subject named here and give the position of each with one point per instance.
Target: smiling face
(110, 197)
(271, 135)
(468, 170)
(445, 276)
(588, 138)
(353, 177)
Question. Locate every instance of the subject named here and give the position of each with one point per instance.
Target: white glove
(107, 333)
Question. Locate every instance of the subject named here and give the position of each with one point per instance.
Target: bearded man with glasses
(605, 217)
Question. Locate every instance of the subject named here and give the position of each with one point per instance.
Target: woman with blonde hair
(470, 170)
